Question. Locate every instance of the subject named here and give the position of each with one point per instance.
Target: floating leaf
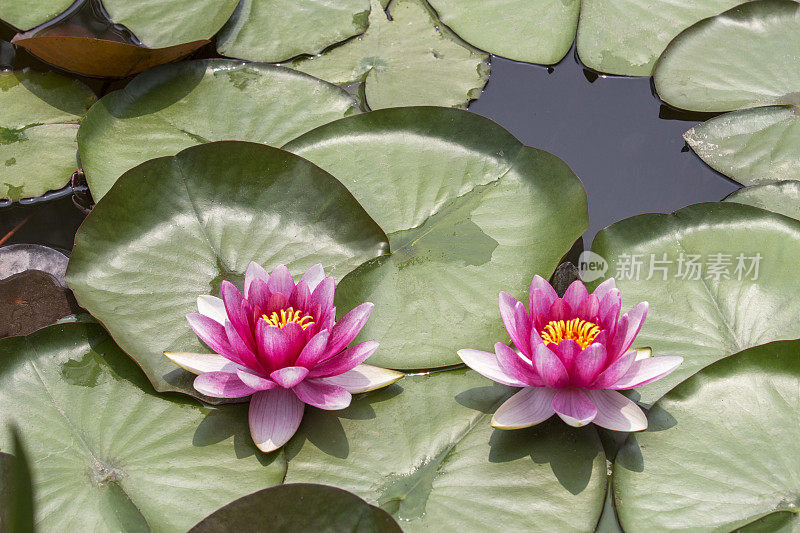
(782, 197)
(16, 488)
(722, 449)
(625, 37)
(37, 131)
(469, 212)
(16, 258)
(721, 280)
(424, 450)
(107, 452)
(745, 57)
(175, 227)
(272, 31)
(30, 13)
(406, 60)
(534, 31)
(31, 300)
(173, 107)
(752, 146)
(286, 508)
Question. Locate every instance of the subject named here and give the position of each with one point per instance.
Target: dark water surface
(609, 132)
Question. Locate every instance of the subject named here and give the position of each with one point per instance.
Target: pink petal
(222, 385)
(274, 417)
(509, 307)
(588, 364)
(513, 364)
(212, 307)
(348, 327)
(255, 382)
(548, 293)
(254, 271)
(604, 287)
(526, 408)
(289, 376)
(364, 378)
(279, 347)
(313, 276)
(567, 350)
(323, 395)
(614, 371)
(575, 294)
(550, 367)
(628, 328)
(523, 328)
(315, 350)
(281, 281)
(644, 371)
(485, 364)
(616, 412)
(344, 361)
(608, 314)
(574, 407)
(539, 307)
(199, 363)
(322, 297)
(300, 298)
(243, 354)
(560, 310)
(212, 333)
(259, 294)
(588, 308)
(237, 310)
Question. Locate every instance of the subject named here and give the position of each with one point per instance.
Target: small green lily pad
(782, 197)
(30, 13)
(410, 59)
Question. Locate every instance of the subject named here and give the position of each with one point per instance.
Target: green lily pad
(107, 453)
(625, 37)
(31, 13)
(752, 146)
(469, 212)
(721, 452)
(175, 227)
(273, 31)
(744, 57)
(534, 31)
(424, 450)
(782, 197)
(162, 23)
(16, 488)
(410, 59)
(172, 107)
(695, 311)
(37, 131)
(286, 508)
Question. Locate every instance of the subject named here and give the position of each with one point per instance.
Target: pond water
(619, 138)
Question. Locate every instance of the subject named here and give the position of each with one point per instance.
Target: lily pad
(16, 258)
(625, 37)
(108, 453)
(534, 31)
(37, 131)
(469, 212)
(744, 57)
(424, 450)
(410, 59)
(172, 107)
(161, 23)
(722, 450)
(722, 279)
(175, 227)
(752, 146)
(31, 300)
(286, 508)
(273, 31)
(26, 15)
(782, 197)
(16, 488)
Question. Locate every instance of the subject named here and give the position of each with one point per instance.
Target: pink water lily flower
(572, 357)
(281, 345)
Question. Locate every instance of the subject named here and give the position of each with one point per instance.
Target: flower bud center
(285, 316)
(581, 331)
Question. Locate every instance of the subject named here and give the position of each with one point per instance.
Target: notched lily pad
(722, 450)
(176, 106)
(38, 126)
(273, 31)
(109, 453)
(469, 212)
(171, 229)
(408, 59)
(719, 278)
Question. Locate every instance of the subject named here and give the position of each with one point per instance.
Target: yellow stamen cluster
(288, 315)
(581, 331)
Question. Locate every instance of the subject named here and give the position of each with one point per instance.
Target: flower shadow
(225, 422)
